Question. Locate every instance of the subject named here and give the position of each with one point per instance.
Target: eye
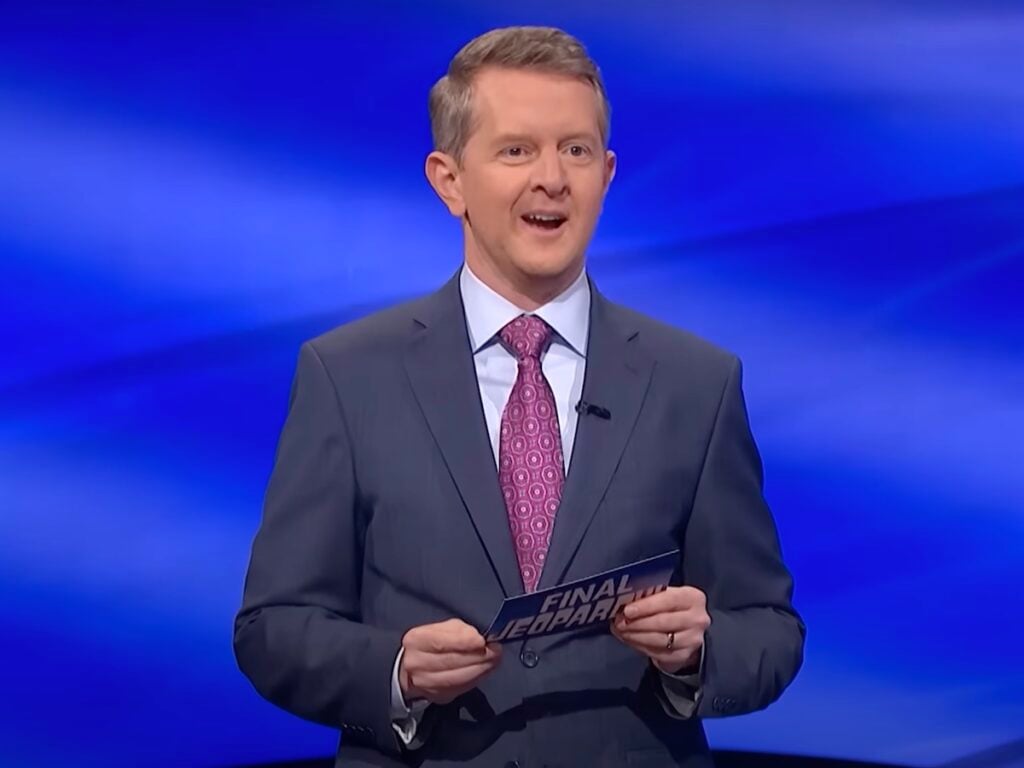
(579, 150)
(515, 152)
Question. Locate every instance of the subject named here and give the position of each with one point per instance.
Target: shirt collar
(487, 312)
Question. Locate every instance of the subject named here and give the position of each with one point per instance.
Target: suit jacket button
(529, 658)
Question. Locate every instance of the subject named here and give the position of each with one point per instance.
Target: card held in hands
(580, 603)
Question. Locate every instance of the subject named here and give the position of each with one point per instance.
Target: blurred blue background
(835, 191)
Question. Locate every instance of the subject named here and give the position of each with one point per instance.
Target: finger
(452, 678)
(671, 599)
(453, 635)
(657, 642)
(675, 621)
(416, 659)
(667, 660)
(457, 635)
(678, 621)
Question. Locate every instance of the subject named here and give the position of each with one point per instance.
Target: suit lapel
(617, 377)
(439, 363)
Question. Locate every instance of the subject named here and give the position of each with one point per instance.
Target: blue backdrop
(835, 191)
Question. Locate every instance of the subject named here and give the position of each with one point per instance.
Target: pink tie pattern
(531, 469)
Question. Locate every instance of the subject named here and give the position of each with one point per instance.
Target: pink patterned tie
(530, 464)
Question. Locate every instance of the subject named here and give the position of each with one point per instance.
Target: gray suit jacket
(384, 512)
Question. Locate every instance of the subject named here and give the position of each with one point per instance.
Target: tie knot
(526, 336)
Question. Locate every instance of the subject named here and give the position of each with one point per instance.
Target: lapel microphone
(583, 408)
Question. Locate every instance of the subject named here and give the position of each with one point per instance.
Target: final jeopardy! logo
(581, 603)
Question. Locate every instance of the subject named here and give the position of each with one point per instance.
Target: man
(435, 460)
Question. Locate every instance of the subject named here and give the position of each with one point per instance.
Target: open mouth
(544, 221)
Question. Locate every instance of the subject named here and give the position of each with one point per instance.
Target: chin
(547, 268)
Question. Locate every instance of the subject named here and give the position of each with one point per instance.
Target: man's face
(533, 177)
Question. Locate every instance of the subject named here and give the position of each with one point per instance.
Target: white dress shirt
(563, 364)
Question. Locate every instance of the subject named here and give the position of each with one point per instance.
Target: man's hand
(442, 661)
(667, 627)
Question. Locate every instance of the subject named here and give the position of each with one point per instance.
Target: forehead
(528, 102)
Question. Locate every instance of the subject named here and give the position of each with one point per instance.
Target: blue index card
(580, 603)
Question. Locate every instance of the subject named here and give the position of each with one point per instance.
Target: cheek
(587, 213)
(499, 191)
(494, 208)
(589, 193)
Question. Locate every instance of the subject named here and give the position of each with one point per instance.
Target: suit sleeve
(299, 636)
(754, 645)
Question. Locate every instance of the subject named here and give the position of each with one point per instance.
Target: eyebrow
(585, 136)
(506, 138)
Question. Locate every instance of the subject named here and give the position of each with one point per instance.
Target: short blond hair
(542, 49)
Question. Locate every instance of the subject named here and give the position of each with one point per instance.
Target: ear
(443, 174)
(610, 164)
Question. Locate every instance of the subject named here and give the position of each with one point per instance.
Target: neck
(525, 291)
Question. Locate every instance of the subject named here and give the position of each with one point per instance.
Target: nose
(549, 174)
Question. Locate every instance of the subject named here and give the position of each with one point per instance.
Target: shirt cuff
(682, 692)
(405, 718)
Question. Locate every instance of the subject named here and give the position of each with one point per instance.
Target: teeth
(543, 217)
